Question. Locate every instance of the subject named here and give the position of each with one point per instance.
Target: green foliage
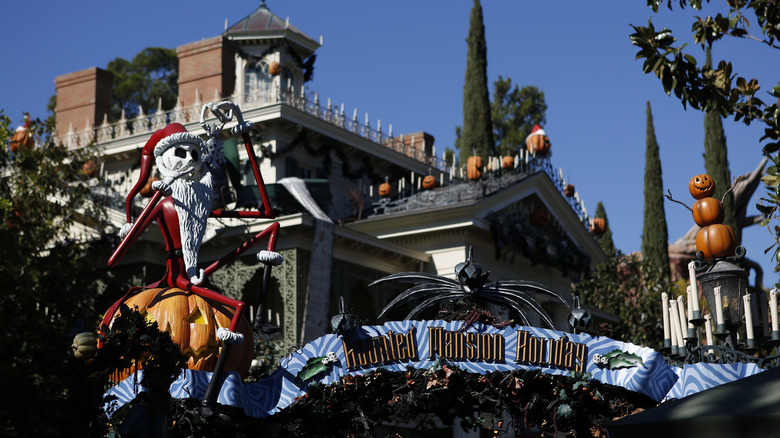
(49, 279)
(358, 404)
(655, 235)
(514, 113)
(605, 240)
(631, 289)
(150, 77)
(719, 89)
(477, 135)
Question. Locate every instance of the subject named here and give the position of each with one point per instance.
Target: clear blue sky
(403, 62)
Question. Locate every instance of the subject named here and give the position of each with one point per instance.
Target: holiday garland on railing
(515, 234)
(324, 153)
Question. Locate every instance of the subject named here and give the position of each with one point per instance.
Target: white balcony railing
(148, 123)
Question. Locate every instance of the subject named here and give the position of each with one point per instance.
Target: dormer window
(257, 81)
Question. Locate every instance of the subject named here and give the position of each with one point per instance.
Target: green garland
(324, 153)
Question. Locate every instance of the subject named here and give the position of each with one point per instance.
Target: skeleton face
(179, 160)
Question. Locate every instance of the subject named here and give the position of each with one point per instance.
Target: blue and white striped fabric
(652, 376)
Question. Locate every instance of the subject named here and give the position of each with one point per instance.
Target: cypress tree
(477, 134)
(716, 162)
(605, 240)
(655, 236)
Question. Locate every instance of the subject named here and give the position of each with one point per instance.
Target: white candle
(773, 309)
(748, 316)
(690, 307)
(681, 311)
(665, 306)
(675, 315)
(762, 302)
(718, 307)
(694, 286)
(708, 328)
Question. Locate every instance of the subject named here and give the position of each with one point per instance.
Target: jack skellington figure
(181, 206)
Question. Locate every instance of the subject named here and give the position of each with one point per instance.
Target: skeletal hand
(162, 186)
(196, 276)
(125, 229)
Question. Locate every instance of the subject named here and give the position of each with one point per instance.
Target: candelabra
(740, 327)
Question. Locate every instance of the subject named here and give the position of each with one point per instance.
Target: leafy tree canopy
(149, 78)
(49, 280)
(719, 88)
(514, 112)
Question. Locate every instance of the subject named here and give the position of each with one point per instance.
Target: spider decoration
(471, 284)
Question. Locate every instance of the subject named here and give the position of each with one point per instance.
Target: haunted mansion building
(354, 203)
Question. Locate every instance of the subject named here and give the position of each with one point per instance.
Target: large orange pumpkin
(708, 211)
(192, 323)
(568, 190)
(715, 241)
(701, 186)
(474, 167)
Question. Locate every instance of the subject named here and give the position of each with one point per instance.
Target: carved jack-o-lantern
(508, 162)
(274, 69)
(385, 189)
(598, 226)
(701, 186)
(708, 211)
(474, 167)
(192, 323)
(429, 182)
(715, 241)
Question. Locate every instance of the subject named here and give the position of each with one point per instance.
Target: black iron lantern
(724, 284)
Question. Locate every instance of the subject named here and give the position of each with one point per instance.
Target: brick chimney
(82, 96)
(205, 66)
(420, 141)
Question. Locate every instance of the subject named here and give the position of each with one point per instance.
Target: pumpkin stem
(669, 197)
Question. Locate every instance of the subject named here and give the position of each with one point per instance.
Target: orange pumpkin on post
(568, 190)
(701, 186)
(474, 167)
(715, 241)
(508, 162)
(708, 211)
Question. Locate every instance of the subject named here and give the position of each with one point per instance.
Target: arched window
(257, 81)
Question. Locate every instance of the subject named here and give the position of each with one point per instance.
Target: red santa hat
(536, 131)
(158, 143)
